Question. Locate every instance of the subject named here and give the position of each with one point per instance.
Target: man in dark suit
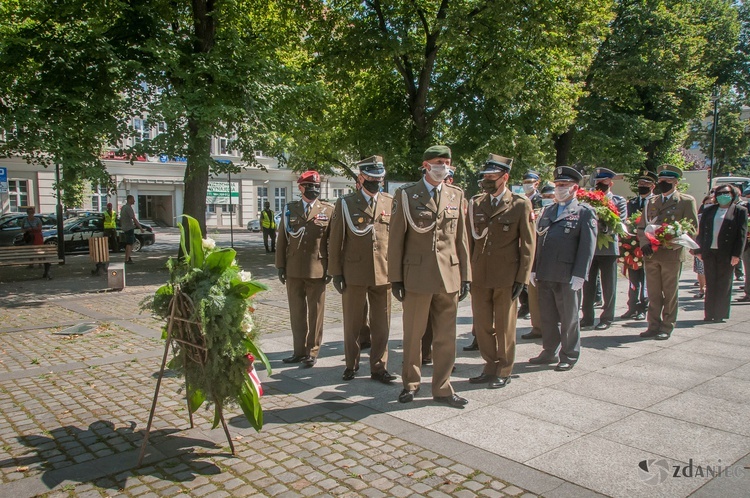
(663, 267)
(637, 295)
(604, 263)
(564, 250)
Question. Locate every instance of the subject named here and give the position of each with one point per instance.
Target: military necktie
(495, 202)
(435, 194)
(307, 210)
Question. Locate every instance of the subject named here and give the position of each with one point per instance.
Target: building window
(141, 131)
(161, 128)
(279, 195)
(262, 198)
(98, 198)
(211, 208)
(258, 153)
(18, 192)
(339, 192)
(223, 146)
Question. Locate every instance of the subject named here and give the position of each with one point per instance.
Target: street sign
(4, 180)
(218, 193)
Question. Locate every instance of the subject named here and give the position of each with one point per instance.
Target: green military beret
(437, 151)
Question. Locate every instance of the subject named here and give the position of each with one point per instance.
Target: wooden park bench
(30, 255)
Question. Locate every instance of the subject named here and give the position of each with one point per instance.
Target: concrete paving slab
(642, 370)
(727, 388)
(676, 439)
(688, 360)
(506, 433)
(567, 409)
(706, 345)
(617, 390)
(742, 372)
(720, 414)
(609, 468)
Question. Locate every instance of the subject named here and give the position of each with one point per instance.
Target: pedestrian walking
(268, 225)
(428, 264)
(128, 222)
(721, 237)
(302, 264)
(567, 239)
(110, 228)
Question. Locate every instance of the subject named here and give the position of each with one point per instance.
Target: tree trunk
(563, 145)
(196, 173)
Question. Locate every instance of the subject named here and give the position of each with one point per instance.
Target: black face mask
(312, 192)
(664, 187)
(372, 186)
(644, 190)
(602, 187)
(489, 186)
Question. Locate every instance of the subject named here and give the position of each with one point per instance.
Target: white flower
(245, 276)
(209, 244)
(247, 323)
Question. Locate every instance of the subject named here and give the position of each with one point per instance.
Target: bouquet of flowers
(631, 255)
(671, 235)
(607, 213)
(208, 306)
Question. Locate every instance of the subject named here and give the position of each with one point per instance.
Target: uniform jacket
(436, 261)
(536, 200)
(361, 259)
(505, 254)
(679, 206)
(305, 256)
(634, 205)
(732, 234)
(613, 249)
(566, 243)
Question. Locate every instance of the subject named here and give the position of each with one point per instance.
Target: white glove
(576, 283)
(532, 278)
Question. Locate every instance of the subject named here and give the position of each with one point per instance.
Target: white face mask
(547, 202)
(562, 194)
(438, 172)
(528, 188)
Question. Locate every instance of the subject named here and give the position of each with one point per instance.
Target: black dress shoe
(649, 333)
(543, 359)
(662, 336)
(499, 382)
(628, 315)
(640, 316)
(383, 377)
(453, 400)
(586, 323)
(309, 361)
(603, 325)
(564, 366)
(482, 379)
(348, 374)
(531, 335)
(294, 358)
(426, 361)
(407, 395)
(473, 346)
(365, 345)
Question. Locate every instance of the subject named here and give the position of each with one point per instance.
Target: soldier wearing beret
(357, 260)
(604, 263)
(564, 250)
(637, 295)
(302, 263)
(502, 249)
(664, 266)
(428, 264)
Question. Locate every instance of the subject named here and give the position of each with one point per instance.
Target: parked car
(12, 225)
(78, 230)
(253, 225)
(741, 182)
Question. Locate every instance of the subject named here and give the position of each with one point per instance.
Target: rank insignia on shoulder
(321, 217)
(451, 208)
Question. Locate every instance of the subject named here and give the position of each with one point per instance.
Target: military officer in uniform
(605, 259)
(357, 260)
(530, 185)
(637, 295)
(502, 249)
(302, 262)
(664, 266)
(548, 198)
(428, 264)
(564, 250)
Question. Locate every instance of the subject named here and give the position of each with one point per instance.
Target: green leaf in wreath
(258, 354)
(195, 399)
(246, 289)
(250, 403)
(604, 240)
(196, 241)
(220, 260)
(185, 253)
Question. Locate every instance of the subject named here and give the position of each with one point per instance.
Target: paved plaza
(73, 408)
